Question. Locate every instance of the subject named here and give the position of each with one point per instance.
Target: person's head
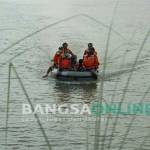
(90, 45)
(60, 48)
(80, 61)
(65, 45)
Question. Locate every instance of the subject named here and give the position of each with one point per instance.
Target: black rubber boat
(74, 75)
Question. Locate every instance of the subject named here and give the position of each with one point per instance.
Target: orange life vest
(90, 62)
(65, 63)
(56, 59)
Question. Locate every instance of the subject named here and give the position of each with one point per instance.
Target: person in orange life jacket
(90, 59)
(90, 46)
(89, 51)
(68, 59)
(56, 60)
(57, 56)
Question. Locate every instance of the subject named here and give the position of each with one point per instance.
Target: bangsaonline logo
(93, 109)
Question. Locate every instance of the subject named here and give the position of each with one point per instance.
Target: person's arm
(70, 52)
(85, 52)
(55, 58)
(96, 61)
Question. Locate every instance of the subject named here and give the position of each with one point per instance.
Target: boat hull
(75, 75)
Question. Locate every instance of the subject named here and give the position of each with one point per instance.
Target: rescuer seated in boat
(67, 59)
(90, 59)
(55, 60)
(65, 62)
(79, 65)
(57, 56)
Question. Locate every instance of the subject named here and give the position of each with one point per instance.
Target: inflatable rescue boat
(74, 75)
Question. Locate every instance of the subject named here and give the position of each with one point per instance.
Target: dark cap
(90, 45)
(65, 44)
(60, 48)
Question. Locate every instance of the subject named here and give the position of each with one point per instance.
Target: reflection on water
(67, 91)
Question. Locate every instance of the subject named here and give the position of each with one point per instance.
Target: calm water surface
(32, 55)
